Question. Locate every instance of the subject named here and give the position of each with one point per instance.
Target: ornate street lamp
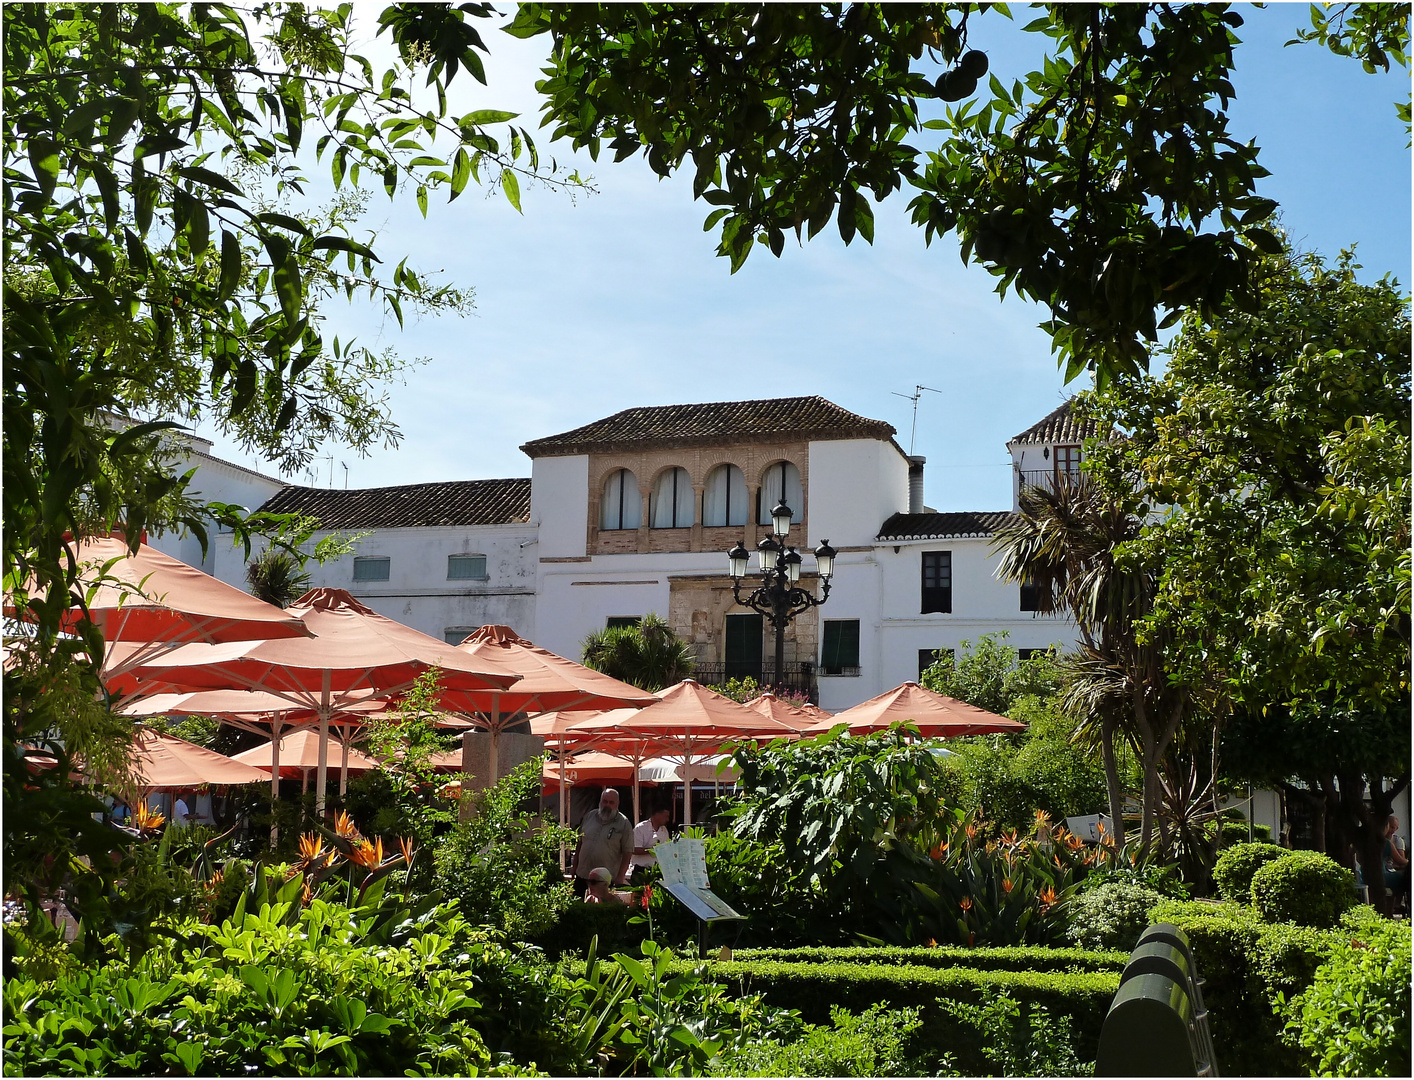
(779, 597)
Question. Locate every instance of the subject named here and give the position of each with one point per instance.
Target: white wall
(855, 485)
(418, 593)
(559, 504)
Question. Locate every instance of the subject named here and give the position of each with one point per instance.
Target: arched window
(622, 504)
(672, 500)
(724, 502)
(780, 479)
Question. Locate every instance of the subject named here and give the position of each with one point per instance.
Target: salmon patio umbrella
(251, 710)
(159, 602)
(297, 752)
(935, 715)
(694, 722)
(547, 683)
(793, 716)
(164, 761)
(355, 650)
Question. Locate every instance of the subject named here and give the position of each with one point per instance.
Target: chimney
(915, 484)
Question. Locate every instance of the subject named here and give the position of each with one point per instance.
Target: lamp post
(779, 597)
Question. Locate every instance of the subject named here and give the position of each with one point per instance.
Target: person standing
(181, 810)
(647, 835)
(605, 839)
(1396, 862)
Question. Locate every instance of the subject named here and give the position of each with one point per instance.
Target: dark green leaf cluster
(1105, 185)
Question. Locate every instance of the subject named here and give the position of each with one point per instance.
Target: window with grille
(937, 582)
(839, 649)
(466, 567)
(1030, 596)
(371, 567)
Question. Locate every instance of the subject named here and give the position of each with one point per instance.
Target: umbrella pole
(344, 769)
(495, 735)
(275, 726)
(687, 785)
(464, 798)
(321, 783)
(564, 809)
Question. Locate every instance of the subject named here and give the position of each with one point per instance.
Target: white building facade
(634, 514)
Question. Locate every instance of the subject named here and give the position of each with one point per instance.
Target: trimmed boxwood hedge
(1303, 887)
(1001, 958)
(812, 988)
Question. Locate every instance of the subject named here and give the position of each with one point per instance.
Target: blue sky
(590, 305)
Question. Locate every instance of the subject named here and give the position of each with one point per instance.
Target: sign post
(683, 864)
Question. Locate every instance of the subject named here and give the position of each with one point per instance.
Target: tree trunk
(1112, 784)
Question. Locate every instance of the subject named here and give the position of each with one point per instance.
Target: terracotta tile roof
(455, 502)
(712, 423)
(962, 523)
(1059, 426)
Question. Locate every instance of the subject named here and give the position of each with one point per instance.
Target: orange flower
(214, 881)
(1074, 843)
(647, 897)
(965, 903)
(408, 847)
(1007, 885)
(344, 826)
(1056, 859)
(931, 943)
(147, 820)
(1042, 818)
(1048, 896)
(1009, 837)
(368, 855)
(306, 894)
(972, 831)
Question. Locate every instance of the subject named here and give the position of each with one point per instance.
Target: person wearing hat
(598, 891)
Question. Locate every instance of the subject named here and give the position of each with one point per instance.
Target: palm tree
(647, 655)
(277, 577)
(1069, 542)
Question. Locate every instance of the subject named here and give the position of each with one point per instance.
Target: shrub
(1304, 887)
(874, 1043)
(1354, 1018)
(1235, 866)
(504, 873)
(1111, 916)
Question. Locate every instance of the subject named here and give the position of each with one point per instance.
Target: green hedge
(1303, 887)
(1002, 958)
(1234, 869)
(812, 988)
(1245, 963)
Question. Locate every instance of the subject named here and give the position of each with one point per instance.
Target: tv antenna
(913, 397)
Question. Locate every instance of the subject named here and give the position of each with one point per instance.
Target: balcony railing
(1046, 478)
(798, 677)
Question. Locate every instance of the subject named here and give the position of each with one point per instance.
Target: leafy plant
(1020, 1040)
(877, 1042)
(1354, 1019)
(503, 869)
(277, 577)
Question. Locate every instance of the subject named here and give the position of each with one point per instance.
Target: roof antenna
(345, 464)
(913, 397)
